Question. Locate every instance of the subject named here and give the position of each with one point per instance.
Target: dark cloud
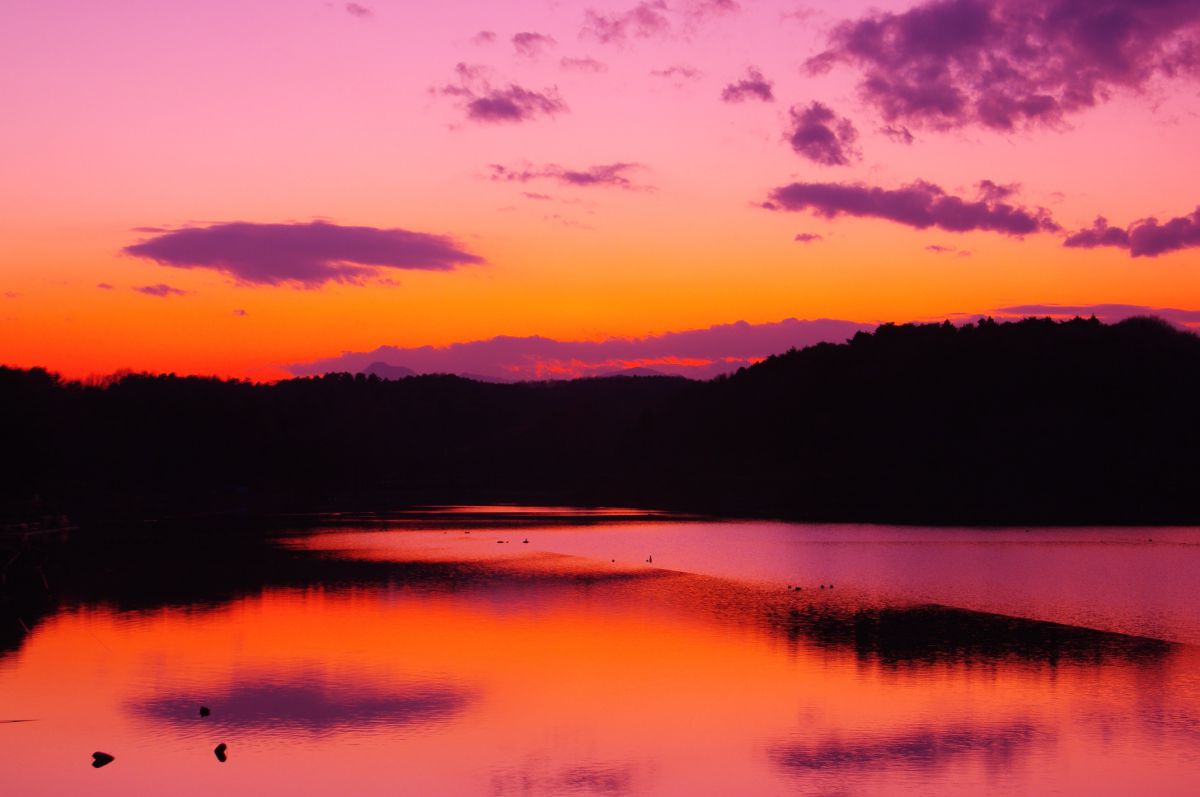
(531, 45)
(613, 175)
(161, 290)
(1108, 313)
(1145, 238)
(808, 237)
(698, 353)
(645, 20)
(752, 87)
(920, 205)
(582, 64)
(821, 136)
(1099, 234)
(307, 254)
(488, 104)
(358, 10)
(1008, 63)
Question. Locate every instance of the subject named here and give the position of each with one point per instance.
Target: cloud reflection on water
(310, 703)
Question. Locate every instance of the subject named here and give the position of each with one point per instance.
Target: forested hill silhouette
(1028, 422)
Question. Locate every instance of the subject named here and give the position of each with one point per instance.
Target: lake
(549, 651)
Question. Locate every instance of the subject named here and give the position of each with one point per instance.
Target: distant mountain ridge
(1026, 422)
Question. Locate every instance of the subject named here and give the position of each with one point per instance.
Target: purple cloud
(104, 286)
(536, 196)
(938, 249)
(819, 135)
(240, 313)
(612, 175)
(808, 237)
(487, 104)
(698, 353)
(161, 290)
(582, 64)
(514, 104)
(357, 10)
(484, 37)
(1009, 63)
(306, 254)
(643, 21)
(1108, 313)
(1144, 238)
(532, 45)
(752, 87)
(920, 205)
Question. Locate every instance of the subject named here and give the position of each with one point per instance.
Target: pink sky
(591, 171)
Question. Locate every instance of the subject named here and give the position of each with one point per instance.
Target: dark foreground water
(439, 653)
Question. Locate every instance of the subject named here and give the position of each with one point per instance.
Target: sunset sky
(270, 187)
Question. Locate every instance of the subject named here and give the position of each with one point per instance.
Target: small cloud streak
(532, 45)
(920, 205)
(607, 175)
(582, 65)
(160, 290)
(819, 135)
(304, 254)
(808, 237)
(484, 37)
(678, 73)
(697, 353)
(752, 87)
(1144, 238)
(104, 286)
(898, 133)
(358, 10)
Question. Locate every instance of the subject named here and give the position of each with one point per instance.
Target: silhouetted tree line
(1034, 421)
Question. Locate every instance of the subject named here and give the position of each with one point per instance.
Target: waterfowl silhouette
(219, 752)
(204, 711)
(102, 759)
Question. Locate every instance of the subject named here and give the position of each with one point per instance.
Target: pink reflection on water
(534, 672)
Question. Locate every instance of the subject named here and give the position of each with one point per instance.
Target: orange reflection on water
(553, 680)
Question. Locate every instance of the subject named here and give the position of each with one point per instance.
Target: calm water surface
(439, 653)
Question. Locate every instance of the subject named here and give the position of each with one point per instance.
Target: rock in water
(101, 759)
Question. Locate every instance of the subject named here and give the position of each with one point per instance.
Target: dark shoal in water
(209, 565)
